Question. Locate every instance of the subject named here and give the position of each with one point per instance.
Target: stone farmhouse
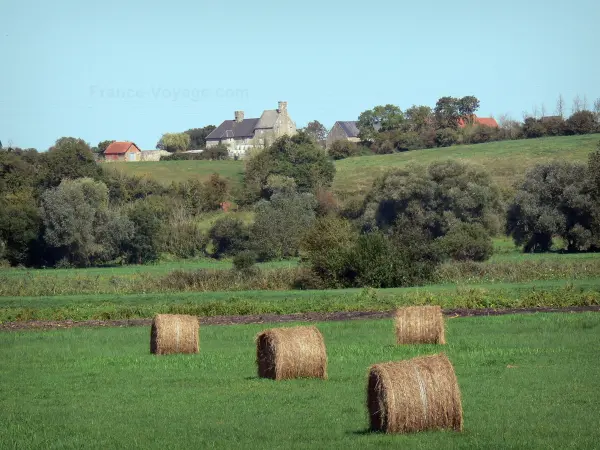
(122, 151)
(242, 134)
(342, 130)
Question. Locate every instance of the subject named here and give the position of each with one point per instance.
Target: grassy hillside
(526, 382)
(506, 160)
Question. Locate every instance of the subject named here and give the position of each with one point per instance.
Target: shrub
(229, 237)
(533, 128)
(433, 198)
(20, 227)
(182, 237)
(554, 126)
(326, 202)
(342, 148)
(446, 137)
(69, 158)
(467, 242)
(245, 262)
(582, 122)
(279, 224)
(182, 156)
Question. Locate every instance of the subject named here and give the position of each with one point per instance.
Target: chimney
(282, 107)
(239, 116)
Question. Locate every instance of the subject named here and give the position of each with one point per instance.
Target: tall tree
(70, 158)
(198, 136)
(560, 106)
(174, 142)
(419, 118)
(447, 113)
(576, 105)
(467, 106)
(317, 131)
(381, 118)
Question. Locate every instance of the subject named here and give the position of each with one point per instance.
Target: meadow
(507, 161)
(527, 381)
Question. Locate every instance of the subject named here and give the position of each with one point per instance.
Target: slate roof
(233, 129)
(349, 127)
(268, 119)
(119, 148)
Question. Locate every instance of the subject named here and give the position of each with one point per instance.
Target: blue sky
(134, 69)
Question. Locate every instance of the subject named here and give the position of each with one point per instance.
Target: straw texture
(174, 333)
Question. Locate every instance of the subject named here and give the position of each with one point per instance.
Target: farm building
(242, 134)
(343, 130)
(487, 121)
(122, 151)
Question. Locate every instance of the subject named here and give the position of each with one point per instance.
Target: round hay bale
(174, 333)
(420, 325)
(414, 395)
(295, 352)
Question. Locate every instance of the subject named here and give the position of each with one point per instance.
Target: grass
(526, 381)
(551, 293)
(506, 160)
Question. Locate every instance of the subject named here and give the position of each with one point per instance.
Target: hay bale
(420, 325)
(414, 395)
(295, 352)
(174, 333)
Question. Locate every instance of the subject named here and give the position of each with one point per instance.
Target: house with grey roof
(343, 130)
(242, 134)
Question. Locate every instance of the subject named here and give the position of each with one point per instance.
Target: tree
(20, 226)
(217, 152)
(69, 158)
(467, 242)
(342, 148)
(296, 157)
(280, 223)
(72, 212)
(317, 131)
(447, 113)
(555, 199)
(419, 118)
(198, 136)
(229, 236)
(560, 106)
(467, 106)
(576, 105)
(533, 128)
(0, 145)
(582, 122)
(432, 199)
(174, 142)
(103, 145)
(380, 118)
(597, 109)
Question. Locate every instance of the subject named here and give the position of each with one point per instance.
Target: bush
(446, 137)
(467, 242)
(342, 148)
(182, 238)
(182, 156)
(555, 199)
(229, 237)
(554, 126)
(582, 122)
(433, 198)
(279, 224)
(533, 128)
(245, 262)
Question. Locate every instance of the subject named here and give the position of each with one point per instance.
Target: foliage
(174, 142)
(380, 118)
(317, 131)
(582, 122)
(555, 199)
(466, 242)
(69, 158)
(182, 237)
(342, 148)
(296, 157)
(72, 214)
(229, 236)
(279, 224)
(198, 136)
(419, 118)
(20, 227)
(445, 137)
(217, 152)
(245, 261)
(533, 128)
(433, 198)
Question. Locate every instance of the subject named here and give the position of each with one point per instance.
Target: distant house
(122, 151)
(343, 130)
(487, 121)
(242, 134)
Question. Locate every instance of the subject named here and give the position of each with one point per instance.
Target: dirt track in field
(282, 318)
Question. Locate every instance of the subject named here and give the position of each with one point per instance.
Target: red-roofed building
(122, 151)
(487, 121)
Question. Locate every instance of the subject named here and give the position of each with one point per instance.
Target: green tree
(217, 152)
(69, 158)
(20, 226)
(447, 113)
(317, 131)
(419, 118)
(342, 148)
(103, 145)
(380, 118)
(433, 198)
(174, 142)
(72, 212)
(467, 242)
(148, 216)
(279, 224)
(555, 199)
(229, 237)
(198, 136)
(296, 157)
(467, 106)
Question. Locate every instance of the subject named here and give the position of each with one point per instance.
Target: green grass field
(506, 160)
(526, 381)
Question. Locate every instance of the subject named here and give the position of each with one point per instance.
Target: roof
(233, 129)
(487, 121)
(349, 127)
(268, 119)
(118, 148)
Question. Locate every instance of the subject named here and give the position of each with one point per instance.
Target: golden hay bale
(174, 333)
(295, 352)
(420, 325)
(414, 395)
